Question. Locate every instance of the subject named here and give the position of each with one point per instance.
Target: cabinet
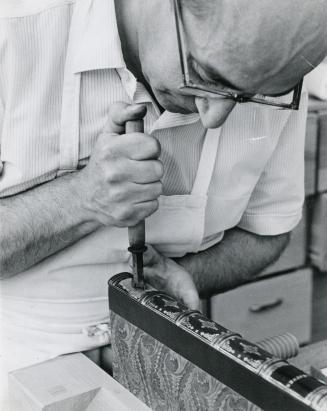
(268, 307)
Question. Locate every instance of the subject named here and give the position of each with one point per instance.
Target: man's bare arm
(238, 258)
(39, 222)
(119, 187)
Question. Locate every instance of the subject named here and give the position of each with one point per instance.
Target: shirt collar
(94, 34)
(166, 119)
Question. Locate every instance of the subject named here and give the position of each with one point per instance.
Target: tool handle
(136, 234)
(135, 126)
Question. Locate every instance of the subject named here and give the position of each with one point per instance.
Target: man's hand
(121, 184)
(166, 275)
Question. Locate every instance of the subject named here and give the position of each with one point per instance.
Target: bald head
(259, 45)
(256, 46)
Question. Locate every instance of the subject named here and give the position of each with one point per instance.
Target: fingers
(147, 192)
(166, 275)
(190, 298)
(152, 257)
(183, 288)
(146, 172)
(139, 172)
(131, 193)
(130, 215)
(136, 146)
(122, 178)
(120, 113)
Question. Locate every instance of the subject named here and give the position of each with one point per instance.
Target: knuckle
(159, 169)
(123, 214)
(154, 146)
(117, 170)
(153, 191)
(159, 189)
(112, 175)
(113, 147)
(153, 206)
(144, 210)
(117, 195)
(104, 149)
(154, 170)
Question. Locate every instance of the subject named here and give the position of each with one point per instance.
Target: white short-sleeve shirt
(258, 174)
(261, 150)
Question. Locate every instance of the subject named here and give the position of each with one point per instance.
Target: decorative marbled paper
(166, 381)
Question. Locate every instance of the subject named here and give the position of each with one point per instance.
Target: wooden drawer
(269, 307)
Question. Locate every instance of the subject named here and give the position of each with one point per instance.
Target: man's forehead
(253, 41)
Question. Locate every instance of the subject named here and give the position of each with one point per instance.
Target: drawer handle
(259, 308)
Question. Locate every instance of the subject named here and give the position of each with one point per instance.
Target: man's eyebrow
(213, 74)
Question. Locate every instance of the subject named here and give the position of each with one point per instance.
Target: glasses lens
(203, 92)
(208, 91)
(285, 99)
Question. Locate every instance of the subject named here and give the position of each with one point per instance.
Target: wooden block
(318, 242)
(268, 307)
(70, 382)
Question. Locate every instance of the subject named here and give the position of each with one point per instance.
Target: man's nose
(214, 111)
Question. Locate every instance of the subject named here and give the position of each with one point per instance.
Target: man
(72, 181)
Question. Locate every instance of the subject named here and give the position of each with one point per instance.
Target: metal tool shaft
(136, 234)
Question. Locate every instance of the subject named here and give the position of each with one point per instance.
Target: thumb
(120, 113)
(190, 298)
(151, 256)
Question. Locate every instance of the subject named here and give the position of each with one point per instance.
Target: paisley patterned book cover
(166, 381)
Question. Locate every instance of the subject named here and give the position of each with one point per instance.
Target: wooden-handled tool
(136, 234)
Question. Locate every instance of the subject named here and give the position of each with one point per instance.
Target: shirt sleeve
(275, 206)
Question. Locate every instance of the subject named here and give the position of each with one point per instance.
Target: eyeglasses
(291, 101)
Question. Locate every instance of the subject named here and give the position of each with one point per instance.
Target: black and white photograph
(163, 205)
